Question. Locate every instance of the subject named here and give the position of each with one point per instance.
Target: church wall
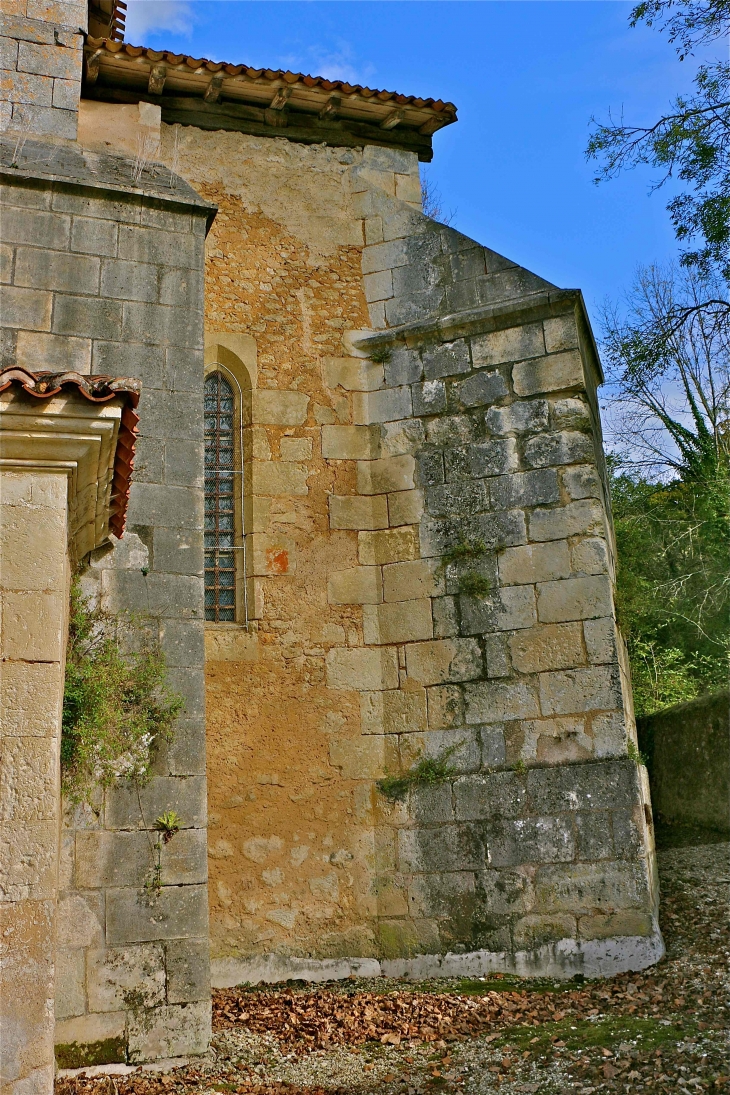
(290, 777)
(33, 588)
(502, 862)
(101, 278)
(40, 66)
(366, 652)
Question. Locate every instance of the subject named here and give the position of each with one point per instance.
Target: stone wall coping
(80, 169)
(68, 434)
(485, 319)
(97, 389)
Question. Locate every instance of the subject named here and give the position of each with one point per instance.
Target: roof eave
(213, 95)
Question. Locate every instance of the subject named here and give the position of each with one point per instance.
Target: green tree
(666, 349)
(668, 385)
(668, 414)
(673, 585)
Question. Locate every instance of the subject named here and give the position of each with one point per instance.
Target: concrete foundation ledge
(272, 968)
(562, 960)
(121, 1069)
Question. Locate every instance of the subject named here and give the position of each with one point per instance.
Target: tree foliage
(667, 351)
(116, 705)
(673, 595)
(690, 143)
(688, 23)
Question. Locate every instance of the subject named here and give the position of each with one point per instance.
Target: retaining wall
(688, 755)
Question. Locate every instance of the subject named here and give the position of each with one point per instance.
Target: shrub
(116, 705)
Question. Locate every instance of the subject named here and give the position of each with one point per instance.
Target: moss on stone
(109, 1051)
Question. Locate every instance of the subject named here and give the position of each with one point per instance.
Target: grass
(381, 354)
(634, 753)
(468, 986)
(456, 986)
(474, 585)
(645, 1034)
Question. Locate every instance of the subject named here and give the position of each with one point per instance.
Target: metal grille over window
(220, 495)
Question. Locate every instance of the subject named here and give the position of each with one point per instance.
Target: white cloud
(146, 16)
(336, 63)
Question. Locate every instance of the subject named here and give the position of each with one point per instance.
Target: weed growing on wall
(465, 549)
(634, 753)
(381, 355)
(474, 585)
(427, 772)
(471, 584)
(166, 825)
(116, 704)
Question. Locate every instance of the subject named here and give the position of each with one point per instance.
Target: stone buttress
(494, 621)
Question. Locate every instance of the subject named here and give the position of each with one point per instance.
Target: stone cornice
(486, 318)
(64, 165)
(69, 435)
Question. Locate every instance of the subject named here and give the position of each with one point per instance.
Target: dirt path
(666, 1031)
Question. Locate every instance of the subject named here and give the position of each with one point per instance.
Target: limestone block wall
(40, 66)
(33, 592)
(476, 425)
(105, 277)
(507, 655)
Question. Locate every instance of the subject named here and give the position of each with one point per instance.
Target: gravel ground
(665, 1031)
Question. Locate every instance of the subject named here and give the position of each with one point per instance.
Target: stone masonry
(477, 428)
(57, 454)
(425, 562)
(488, 412)
(105, 277)
(33, 591)
(40, 66)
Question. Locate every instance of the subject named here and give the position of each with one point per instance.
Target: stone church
(346, 464)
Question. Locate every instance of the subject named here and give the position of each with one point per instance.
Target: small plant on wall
(427, 772)
(166, 825)
(116, 704)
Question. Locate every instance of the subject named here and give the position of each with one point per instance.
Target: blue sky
(526, 76)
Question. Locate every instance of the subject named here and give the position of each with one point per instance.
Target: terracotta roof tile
(271, 75)
(97, 389)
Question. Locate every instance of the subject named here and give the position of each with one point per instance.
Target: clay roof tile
(275, 74)
(97, 389)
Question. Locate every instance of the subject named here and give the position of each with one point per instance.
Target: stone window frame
(219, 358)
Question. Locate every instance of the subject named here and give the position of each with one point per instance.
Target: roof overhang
(215, 95)
(107, 19)
(84, 426)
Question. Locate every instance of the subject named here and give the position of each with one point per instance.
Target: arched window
(222, 506)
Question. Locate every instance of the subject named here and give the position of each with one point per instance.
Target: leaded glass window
(220, 494)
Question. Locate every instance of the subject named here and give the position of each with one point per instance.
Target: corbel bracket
(156, 83)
